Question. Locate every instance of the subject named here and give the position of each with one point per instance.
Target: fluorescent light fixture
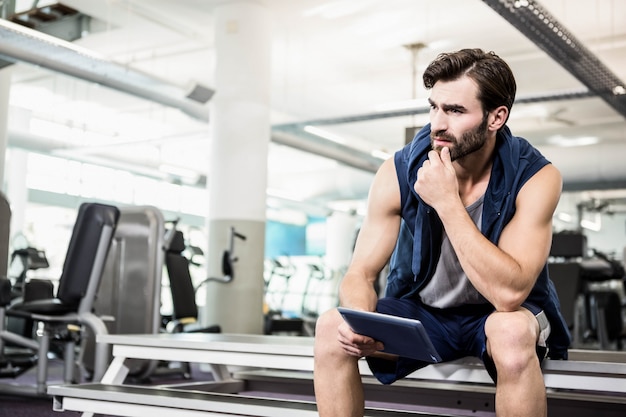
(358, 207)
(324, 134)
(619, 90)
(284, 195)
(178, 171)
(401, 105)
(571, 142)
(380, 154)
(594, 225)
(565, 217)
(530, 111)
(337, 9)
(589, 225)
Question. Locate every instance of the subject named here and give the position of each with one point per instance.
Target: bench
(258, 375)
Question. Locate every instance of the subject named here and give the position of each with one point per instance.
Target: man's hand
(436, 179)
(355, 344)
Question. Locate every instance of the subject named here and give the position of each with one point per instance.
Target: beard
(470, 142)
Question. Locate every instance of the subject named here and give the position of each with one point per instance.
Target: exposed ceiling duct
(329, 149)
(50, 146)
(557, 96)
(18, 43)
(538, 25)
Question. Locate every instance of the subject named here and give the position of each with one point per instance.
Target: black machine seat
(185, 309)
(50, 307)
(183, 291)
(80, 262)
(73, 304)
(576, 274)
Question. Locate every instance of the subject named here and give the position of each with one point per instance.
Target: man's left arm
(505, 274)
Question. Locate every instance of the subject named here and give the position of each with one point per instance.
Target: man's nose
(438, 121)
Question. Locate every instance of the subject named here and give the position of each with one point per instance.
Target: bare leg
(338, 386)
(511, 342)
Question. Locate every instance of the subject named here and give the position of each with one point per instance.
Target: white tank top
(449, 286)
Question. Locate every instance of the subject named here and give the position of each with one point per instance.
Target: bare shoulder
(542, 191)
(385, 190)
(547, 180)
(527, 236)
(387, 168)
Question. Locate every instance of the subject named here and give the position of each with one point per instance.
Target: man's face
(471, 140)
(457, 119)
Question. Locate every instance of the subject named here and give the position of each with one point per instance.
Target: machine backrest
(568, 245)
(5, 226)
(181, 284)
(567, 281)
(86, 254)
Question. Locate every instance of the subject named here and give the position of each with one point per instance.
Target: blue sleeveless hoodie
(416, 254)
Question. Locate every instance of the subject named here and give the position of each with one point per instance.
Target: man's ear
(498, 117)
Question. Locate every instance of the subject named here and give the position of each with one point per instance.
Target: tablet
(401, 336)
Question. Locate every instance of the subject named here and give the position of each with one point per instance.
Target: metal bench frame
(591, 380)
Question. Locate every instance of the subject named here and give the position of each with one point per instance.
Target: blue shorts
(455, 332)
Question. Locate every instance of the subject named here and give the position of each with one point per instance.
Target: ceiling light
(565, 217)
(593, 225)
(178, 171)
(324, 134)
(379, 153)
(283, 195)
(619, 90)
(351, 207)
(401, 105)
(337, 9)
(571, 142)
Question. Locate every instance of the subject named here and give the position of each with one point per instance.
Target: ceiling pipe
(18, 43)
(56, 147)
(557, 96)
(329, 149)
(49, 146)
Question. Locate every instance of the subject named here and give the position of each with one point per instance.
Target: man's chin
(438, 145)
(439, 148)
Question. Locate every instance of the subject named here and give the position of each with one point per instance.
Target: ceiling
(336, 65)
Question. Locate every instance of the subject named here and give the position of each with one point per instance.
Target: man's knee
(511, 340)
(327, 323)
(326, 331)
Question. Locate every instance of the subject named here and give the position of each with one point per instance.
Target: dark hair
(495, 80)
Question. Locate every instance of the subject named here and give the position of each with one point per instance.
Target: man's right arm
(376, 241)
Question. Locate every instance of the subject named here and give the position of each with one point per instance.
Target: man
(468, 209)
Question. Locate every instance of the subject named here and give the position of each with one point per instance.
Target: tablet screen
(401, 336)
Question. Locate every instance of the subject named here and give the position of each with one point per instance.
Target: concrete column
(5, 224)
(17, 190)
(5, 89)
(237, 179)
(341, 231)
